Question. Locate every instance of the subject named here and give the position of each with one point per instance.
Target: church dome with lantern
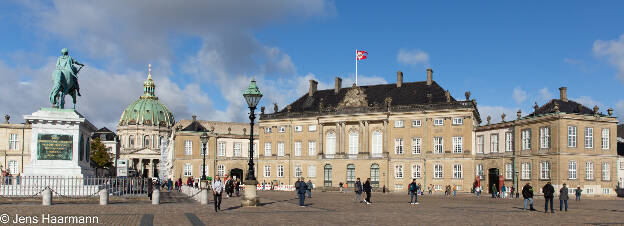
(147, 110)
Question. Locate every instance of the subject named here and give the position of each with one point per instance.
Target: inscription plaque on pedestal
(54, 147)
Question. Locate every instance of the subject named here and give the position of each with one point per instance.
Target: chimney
(337, 85)
(467, 94)
(399, 79)
(194, 118)
(519, 114)
(429, 76)
(313, 84)
(262, 110)
(563, 94)
(448, 95)
(7, 117)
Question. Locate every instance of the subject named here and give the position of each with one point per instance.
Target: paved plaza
(328, 208)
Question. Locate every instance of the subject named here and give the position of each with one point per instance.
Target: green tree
(100, 155)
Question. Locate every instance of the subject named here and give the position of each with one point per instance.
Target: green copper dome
(147, 110)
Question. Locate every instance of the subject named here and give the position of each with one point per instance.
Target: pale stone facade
(15, 140)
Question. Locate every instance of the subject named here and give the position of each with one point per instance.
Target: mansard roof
(568, 106)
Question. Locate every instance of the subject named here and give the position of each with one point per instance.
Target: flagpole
(356, 61)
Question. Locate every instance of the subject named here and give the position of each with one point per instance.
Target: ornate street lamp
(252, 96)
(204, 140)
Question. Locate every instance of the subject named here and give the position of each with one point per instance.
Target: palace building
(15, 142)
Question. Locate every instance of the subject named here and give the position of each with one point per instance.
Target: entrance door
(492, 179)
(237, 173)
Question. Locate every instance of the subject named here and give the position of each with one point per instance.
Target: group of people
(549, 193)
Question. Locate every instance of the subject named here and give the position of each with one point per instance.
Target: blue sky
(508, 55)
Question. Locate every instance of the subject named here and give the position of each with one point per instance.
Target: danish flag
(360, 55)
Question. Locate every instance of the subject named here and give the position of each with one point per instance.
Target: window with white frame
(220, 170)
(13, 142)
(267, 171)
(221, 148)
(267, 149)
(437, 145)
(606, 175)
(437, 171)
(589, 191)
(13, 167)
(416, 171)
(458, 145)
(526, 139)
(280, 171)
(589, 137)
(398, 171)
(572, 170)
(605, 139)
(188, 147)
(377, 144)
(297, 148)
(188, 170)
(267, 130)
(545, 170)
(237, 149)
(493, 143)
(398, 146)
(480, 172)
(311, 148)
(526, 171)
(311, 171)
(281, 129)
(508, 141)
(298, 128)
(312, 128)
(330, 145)
(398, 124)
(508, 171)
(458, 121)
(438, 122)
(280, 149)
(545, 137)
(416, 123)
(480, 144)
(571, 136)
(589, 171)
(606, 191)
(416, 145)
(353, 143)
(298, 171)
(457, 171)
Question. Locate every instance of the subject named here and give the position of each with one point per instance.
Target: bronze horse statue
(65, 79)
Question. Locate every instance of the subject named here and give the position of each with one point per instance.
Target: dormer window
(281, 129)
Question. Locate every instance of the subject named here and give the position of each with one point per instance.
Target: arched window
(327, 172)
(377, 144)
(350, 175)
(353, 143)
(374, 175)
(330, 149)
(146, 141)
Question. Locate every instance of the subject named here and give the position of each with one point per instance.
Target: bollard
(156, 197)
(204, 197)
(46, 198)
(104, 197)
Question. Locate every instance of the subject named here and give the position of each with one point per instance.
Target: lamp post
(204, 140)
(252, 96)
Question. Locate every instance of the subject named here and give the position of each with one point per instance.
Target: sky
(509, 55)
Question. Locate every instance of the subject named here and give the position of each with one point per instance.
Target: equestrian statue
(65, 78)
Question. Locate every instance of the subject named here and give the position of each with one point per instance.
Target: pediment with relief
(355, 97)
(145, 151)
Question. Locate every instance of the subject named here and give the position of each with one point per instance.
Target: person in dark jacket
(413, 191)
(563, 198)
(549, 192)
(301, 188)
(358, 190)
(150, 188)
(310, 186)
(368, 189)
(527, 194)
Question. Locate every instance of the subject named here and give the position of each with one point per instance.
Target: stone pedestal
(249, 197)
(60, 144)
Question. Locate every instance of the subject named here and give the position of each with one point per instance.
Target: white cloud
(588, 102)
(495, 112)
(619, 110)
(412, 57)
(544, 95)
(613, 50)
(519, 95)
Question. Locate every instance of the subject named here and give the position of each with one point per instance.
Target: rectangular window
(606, 191)
(311, 148)
(416, 123)
(398, 124)
(545, 137)
(458, 121)
(188, 170)
(480, 144)
(437, 145)
(589, 137)
(437, 171)
(281, 129)
(508, 171)
(398, 146)
(572, 170)
(280, 149)
(312, 128)
(457, 171)
(589, 171)
(416, 171)
(188, 147)
(298, 128)
(298, 148)
(416, 145)
(480, 171)
(589, 191)
(237, 149)
(267, 171)
(526, 171)
(438, 122)
(220, 170)
(267, 130)
(545, 170)
(13, 142)
(508, 141)
(221, 148)
(526, 139)
(311, 171)
(280, 171)
(606, 175)
(493, 143)
(267, 149)
(13, 168)
(571, 136)
(605, 139)
(458, 145)
(298, 171)
(398, 171)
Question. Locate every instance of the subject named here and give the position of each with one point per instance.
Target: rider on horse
(65, 63)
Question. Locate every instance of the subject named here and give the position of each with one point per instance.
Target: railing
(31, 186)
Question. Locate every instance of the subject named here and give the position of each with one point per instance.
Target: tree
(100, 155)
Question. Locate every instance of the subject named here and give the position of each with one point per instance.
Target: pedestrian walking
(478, 191)
(503, 191)
(494, 191)
(150, 188)
(511, 192)
(549, 192)
(577, 193)
(237, 187)
(454, 191)
(217, 189)
(527, 194)
(340, 186)
(310, 186)
(358, 190)
(563, 198)
(413, 192)
(368, 189)
(301, 188)
(430, 187)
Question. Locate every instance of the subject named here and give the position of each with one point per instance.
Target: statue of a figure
(65, 78)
